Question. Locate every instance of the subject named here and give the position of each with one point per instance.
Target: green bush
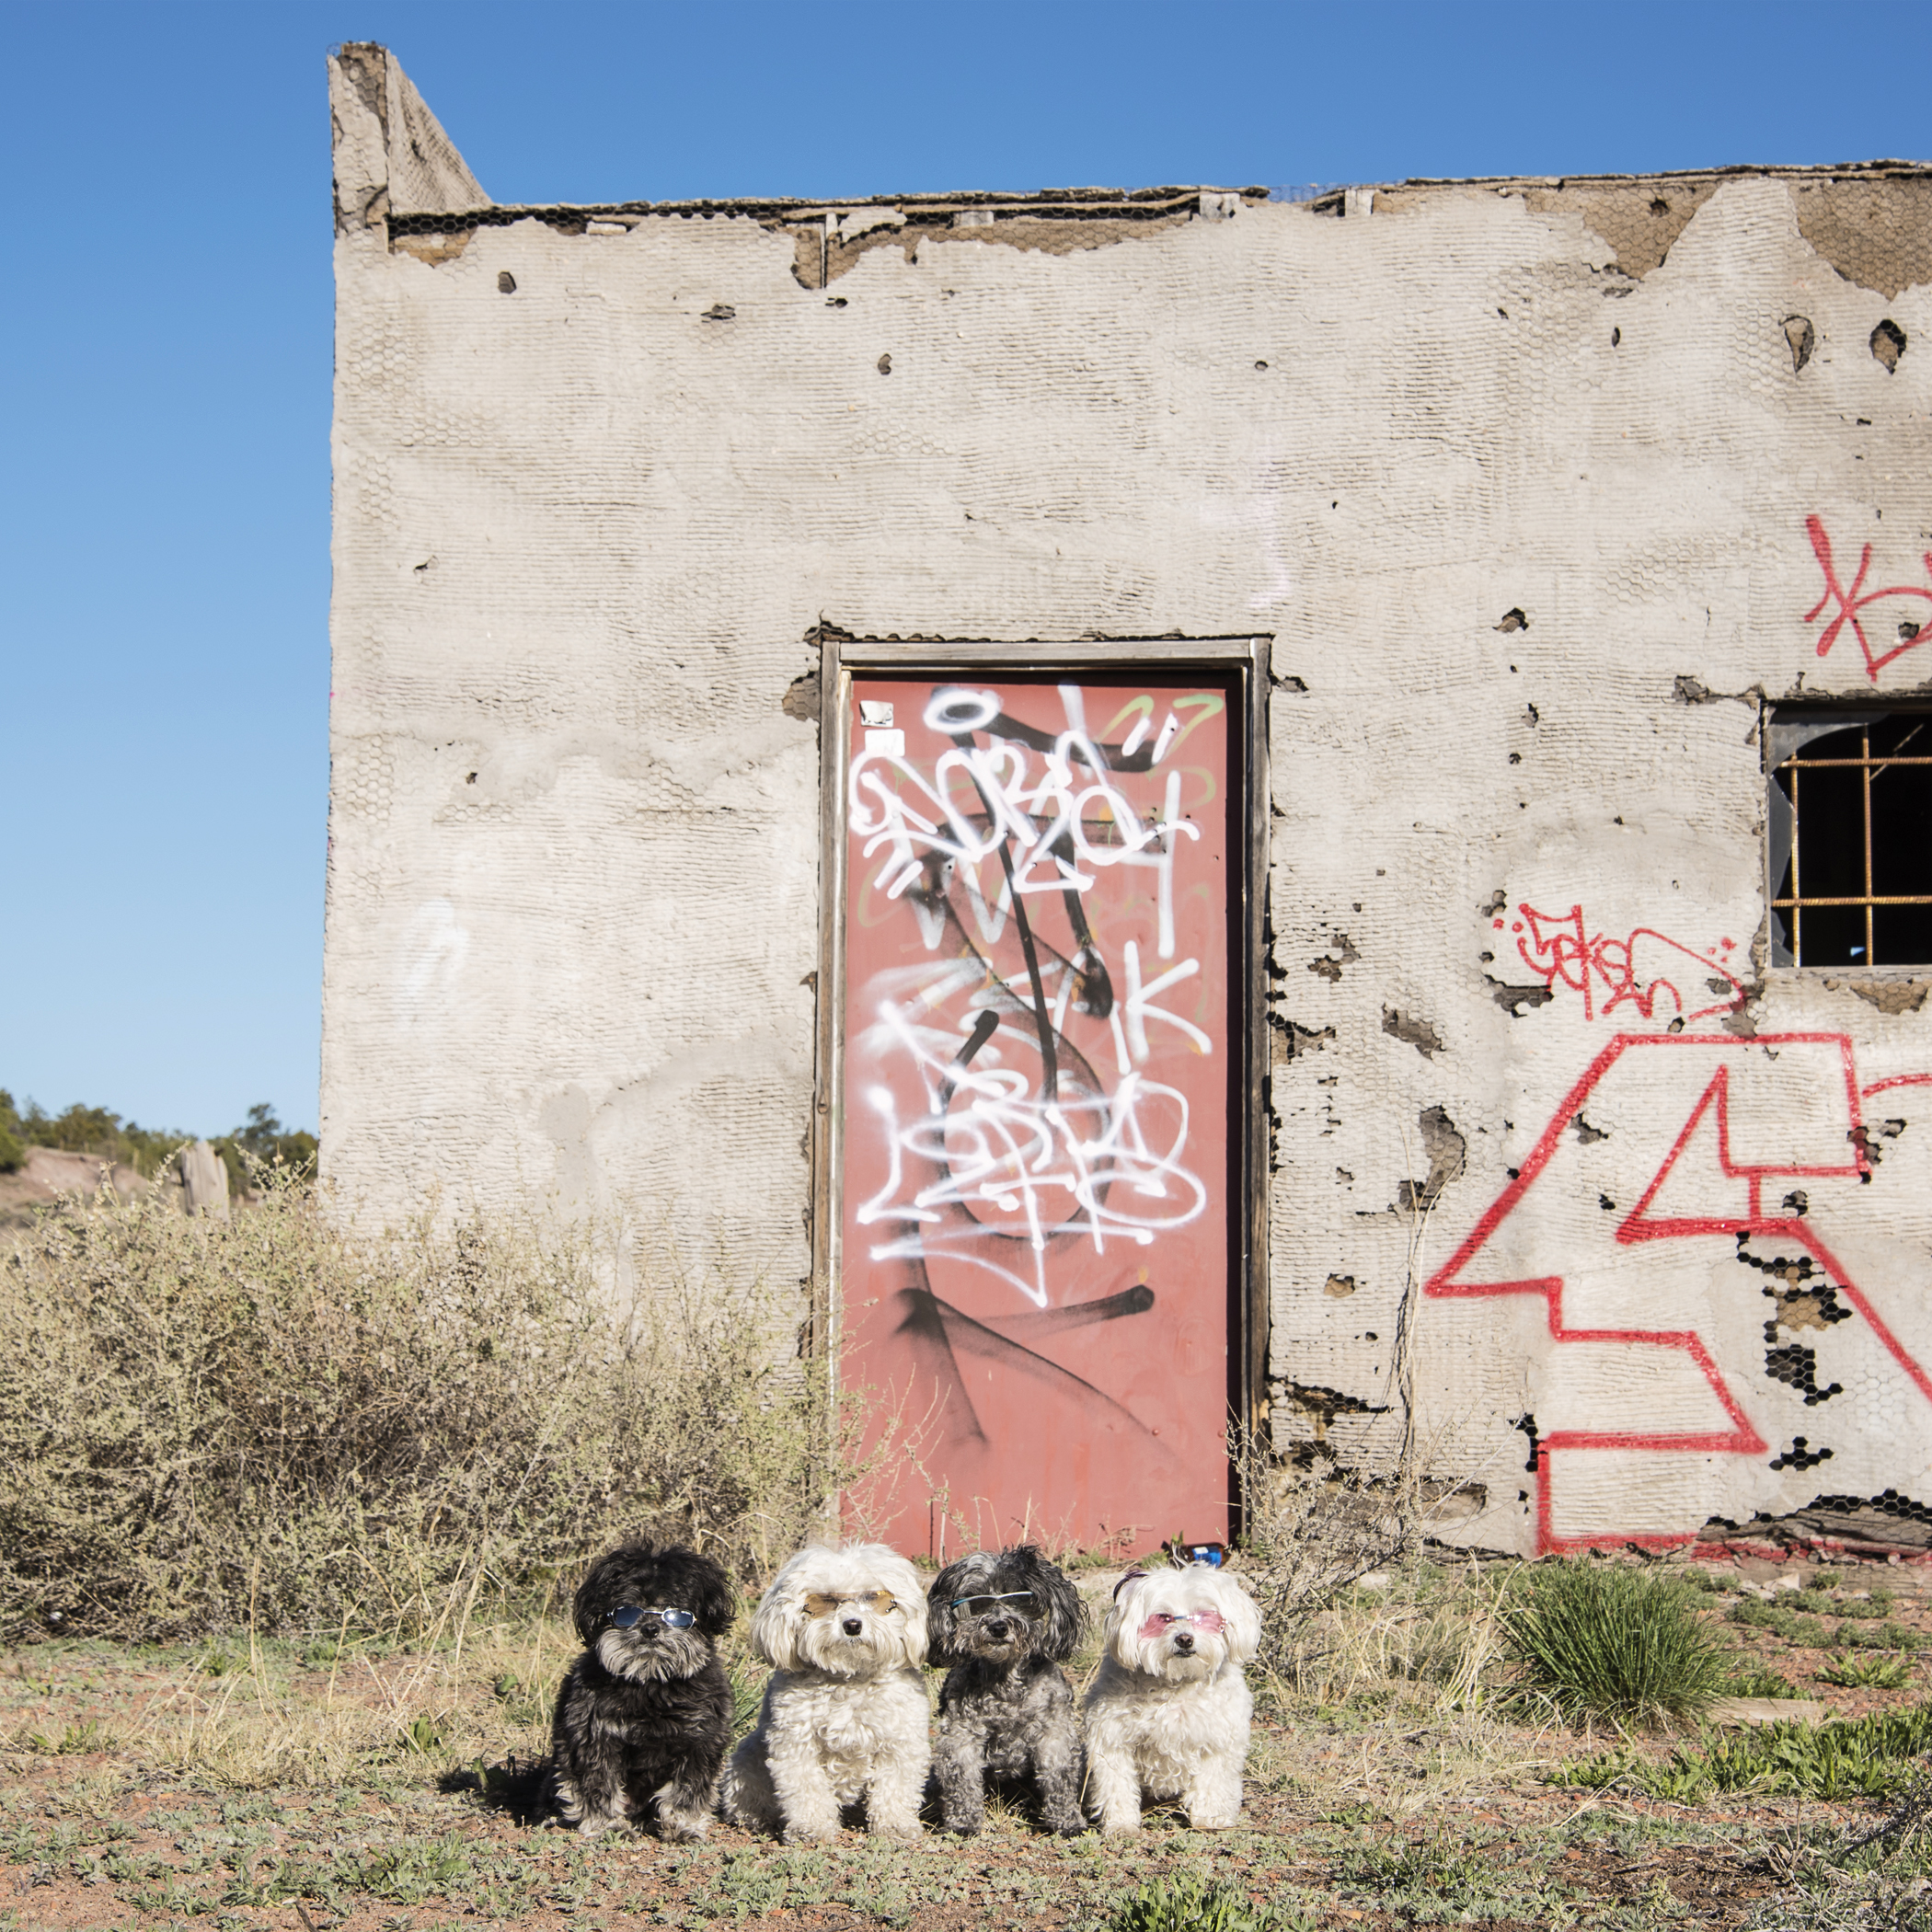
(13, 1152)
(263, 1143)
(1596, 1639)
(88, 1129)
(206, 1422)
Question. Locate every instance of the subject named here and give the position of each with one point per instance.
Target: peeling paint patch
(1876, 232)
(801, 697)
(1447, 1153)
(1893, 997)
(1419, 1033)
(1640, 220)
(1323, 1405)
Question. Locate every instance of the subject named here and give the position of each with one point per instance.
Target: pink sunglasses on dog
(1212, 1621)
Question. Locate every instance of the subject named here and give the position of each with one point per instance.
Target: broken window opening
(1850, 838)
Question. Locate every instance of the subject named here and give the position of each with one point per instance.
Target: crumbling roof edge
(1774, 170)
(1078, 202)
(1059, 200)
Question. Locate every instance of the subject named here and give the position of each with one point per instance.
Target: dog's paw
(1071, 1828)
(595, 1824)
(682, 1831)
(811, 1833)
(1212, 1824)
(963, 1831)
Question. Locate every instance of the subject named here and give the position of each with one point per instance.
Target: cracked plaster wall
(1529, 533)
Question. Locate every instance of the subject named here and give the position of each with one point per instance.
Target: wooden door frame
(841, 659)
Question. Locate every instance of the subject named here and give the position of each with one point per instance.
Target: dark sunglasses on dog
(627, 1616)
(980, 1606)
(823, 1603)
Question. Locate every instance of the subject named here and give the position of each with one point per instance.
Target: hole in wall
(1802, 338)
(1888, 344)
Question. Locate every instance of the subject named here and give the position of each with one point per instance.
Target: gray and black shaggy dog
(1004, 1622)
(644, 1716)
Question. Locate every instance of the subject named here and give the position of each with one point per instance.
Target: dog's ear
(1243, 1617)
(775, 1623)
(940, 1618)
(1065, 1622)
(586, 1608)
(711, 1597)
(897, 1575)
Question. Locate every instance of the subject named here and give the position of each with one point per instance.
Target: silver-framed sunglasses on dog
(1005, 1621)
(644, 1716)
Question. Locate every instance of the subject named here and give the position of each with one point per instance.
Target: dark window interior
(1851, 837)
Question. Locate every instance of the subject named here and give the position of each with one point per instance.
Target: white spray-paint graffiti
(1004, 1148)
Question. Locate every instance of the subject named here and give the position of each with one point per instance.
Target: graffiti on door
(1035, 1134)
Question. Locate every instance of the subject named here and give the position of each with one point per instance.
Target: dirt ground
(350, 1782)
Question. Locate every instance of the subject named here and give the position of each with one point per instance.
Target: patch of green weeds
(1191, 1902)
(172, 1897)
(1463, 1879)
(1793, 1626)
(1867, 1673)
(1878, 1604)
(77, 1740)
(423, 1734)
(1879, 1637)
(1759, 1680)
(409, 1872)
(1867, 1757)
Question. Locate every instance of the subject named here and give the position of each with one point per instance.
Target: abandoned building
(1150, 805)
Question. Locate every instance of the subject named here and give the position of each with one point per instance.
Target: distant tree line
(104, 1136)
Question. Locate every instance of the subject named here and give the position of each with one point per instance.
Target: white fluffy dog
(1168, 1713)
(845, 1713)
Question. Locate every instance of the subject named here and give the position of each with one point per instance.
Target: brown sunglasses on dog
(820, 1603)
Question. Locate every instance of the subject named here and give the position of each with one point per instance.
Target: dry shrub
(1315, 1528)
(270, 1421)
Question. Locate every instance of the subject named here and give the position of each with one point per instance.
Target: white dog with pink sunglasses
(1168, 1714)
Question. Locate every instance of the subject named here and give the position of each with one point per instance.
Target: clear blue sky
(164, 320)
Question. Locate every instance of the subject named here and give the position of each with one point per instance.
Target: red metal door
(1039, 1070)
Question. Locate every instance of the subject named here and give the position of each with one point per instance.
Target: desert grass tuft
(1596, 1641)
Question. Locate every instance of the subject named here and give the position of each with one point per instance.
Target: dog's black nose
(1184, 1640)
(998, 1632)
(853, 1627)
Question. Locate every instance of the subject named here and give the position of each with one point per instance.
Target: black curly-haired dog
(644, 1716)
(1005, 1621)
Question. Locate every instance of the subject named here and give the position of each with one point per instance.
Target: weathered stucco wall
(1517, 475)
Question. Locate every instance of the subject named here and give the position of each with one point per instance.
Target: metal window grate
(1853, 881)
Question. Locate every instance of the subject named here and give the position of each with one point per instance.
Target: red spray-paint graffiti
(1848, 604)
(1614, 973)
(1659, 1216)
